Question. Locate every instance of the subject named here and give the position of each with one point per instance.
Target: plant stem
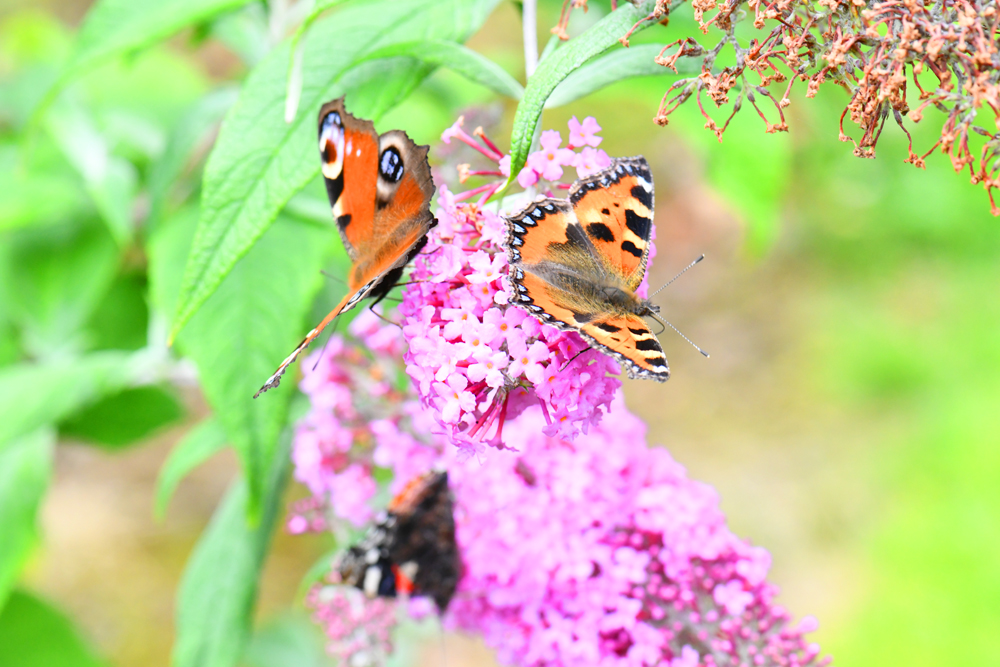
(529, 26)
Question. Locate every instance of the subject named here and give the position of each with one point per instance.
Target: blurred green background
(849, 416)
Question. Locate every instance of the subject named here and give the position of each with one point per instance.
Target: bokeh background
(849, 416)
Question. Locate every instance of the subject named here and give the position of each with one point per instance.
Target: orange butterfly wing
(631, 341)
(380, 188)
(615, 206)
(575, 266)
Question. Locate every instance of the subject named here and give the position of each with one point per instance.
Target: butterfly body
(576, 263)
(380, 189)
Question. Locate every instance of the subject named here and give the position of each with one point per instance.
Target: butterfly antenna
(336, 323)
(566, 365)
(675, 278)
(663, 321)
(333, 277)
(383, 317)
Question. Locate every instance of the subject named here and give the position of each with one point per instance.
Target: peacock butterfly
(380, 189)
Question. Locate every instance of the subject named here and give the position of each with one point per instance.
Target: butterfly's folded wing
(402, 218)
(615, 207)
(380, 190)
(349, 151)
(632, 342)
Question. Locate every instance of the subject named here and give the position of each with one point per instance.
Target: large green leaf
(116, 27)
(458, 58)
(616, 66)
(34, 634)
(248, 326)
(260, 161)
(562, 62)
(25, 469)
(120, 321)
(219, 587)
(198, 446)
(34, 395)
(124, 418)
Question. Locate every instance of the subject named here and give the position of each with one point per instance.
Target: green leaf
(192, 129)
(25, 470)
(244, 331)
(245, 32)
(260, 161)
(124, 418)
(121, 320)
(35, 634)
(51, 281)
(458, 58)
(219, 586)
(113, 28)
(562, 62)
(200, 444)
(168, 247)
(616, 66)
(33, 395)
(36, 194)
(110, 180)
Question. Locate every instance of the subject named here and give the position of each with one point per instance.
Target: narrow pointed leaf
(199, 445)
(562, 62)
(260, 161)
(219, 588)
(613, 67)
(34, 395)
(110, 180)
(459, 59)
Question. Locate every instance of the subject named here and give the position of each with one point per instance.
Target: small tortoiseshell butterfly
(412, 550)
(576, 263)
(380, 188)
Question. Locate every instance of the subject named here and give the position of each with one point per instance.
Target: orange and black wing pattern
(629, 339)
(576, 263)
(380, 189)
(615, 206)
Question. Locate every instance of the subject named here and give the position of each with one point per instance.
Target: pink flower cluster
(548, 162)
(611, 556)
(595, 551)
(350, 394)
(357, 628)
(475, 359)
(582, 545)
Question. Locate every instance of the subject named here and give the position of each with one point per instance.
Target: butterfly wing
(615, 206)
(413, 550)
(380, 190)
(424, 550)
(629, 339)
(553, 263)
